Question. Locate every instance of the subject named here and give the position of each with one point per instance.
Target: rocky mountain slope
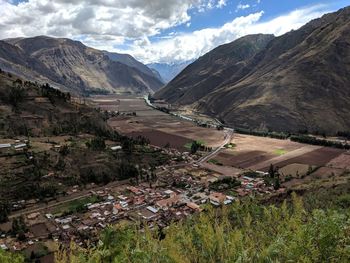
(132, 62)
(72, 66)
(299, 81)
(212, 69)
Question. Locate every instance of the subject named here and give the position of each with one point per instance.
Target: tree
(4, 211)
(16, 94)
(32, 255)
(64, 150)
(96, 144)
(19, 227)
(194, 147)
(68, 96)
(277, 183)
(272, 171)
(128, 145)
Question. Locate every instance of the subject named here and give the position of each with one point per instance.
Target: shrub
(96, 144)
(243, 232)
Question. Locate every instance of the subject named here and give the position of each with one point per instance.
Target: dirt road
(228, 137)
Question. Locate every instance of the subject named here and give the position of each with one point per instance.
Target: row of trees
(96, 144)
(302, 138)
(17, 92)
(199, 146)
(276, 135)
(52, 94)
(322, 142)
(345, 134)
(225, 183)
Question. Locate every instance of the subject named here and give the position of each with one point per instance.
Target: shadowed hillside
(211, 70)
(300, 81)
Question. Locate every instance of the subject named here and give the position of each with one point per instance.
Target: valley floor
(229, 167)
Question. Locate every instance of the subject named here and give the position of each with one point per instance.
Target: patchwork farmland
(298, 164)
(136, 118)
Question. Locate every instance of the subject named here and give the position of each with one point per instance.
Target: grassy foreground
(243, 232)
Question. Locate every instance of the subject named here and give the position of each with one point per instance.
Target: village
(223, 168)
(175, 194)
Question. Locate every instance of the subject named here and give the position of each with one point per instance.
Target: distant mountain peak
(169, 70)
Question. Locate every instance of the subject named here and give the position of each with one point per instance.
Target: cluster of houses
(16, 146)
(175, 196)
(250, 185)
(154, 207)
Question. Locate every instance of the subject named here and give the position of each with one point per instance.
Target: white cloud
(242, 7)
(128, 19)
(135, 25)
(192, 45)
(221, 3)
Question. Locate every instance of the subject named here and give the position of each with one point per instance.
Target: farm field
(160, 128)
(300, 163)
(341, 162)
(161, 139)
(257, 153)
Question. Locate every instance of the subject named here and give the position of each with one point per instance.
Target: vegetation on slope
(6, 257)
(69, 144)
(243, 232)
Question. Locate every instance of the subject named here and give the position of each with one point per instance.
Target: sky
(163, 31)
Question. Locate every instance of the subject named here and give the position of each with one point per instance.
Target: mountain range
(168, 71)
(297, 81)
(72, 66)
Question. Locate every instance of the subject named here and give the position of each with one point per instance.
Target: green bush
(344, 201)
(96, 144)
(7, 257)
(244, 232)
